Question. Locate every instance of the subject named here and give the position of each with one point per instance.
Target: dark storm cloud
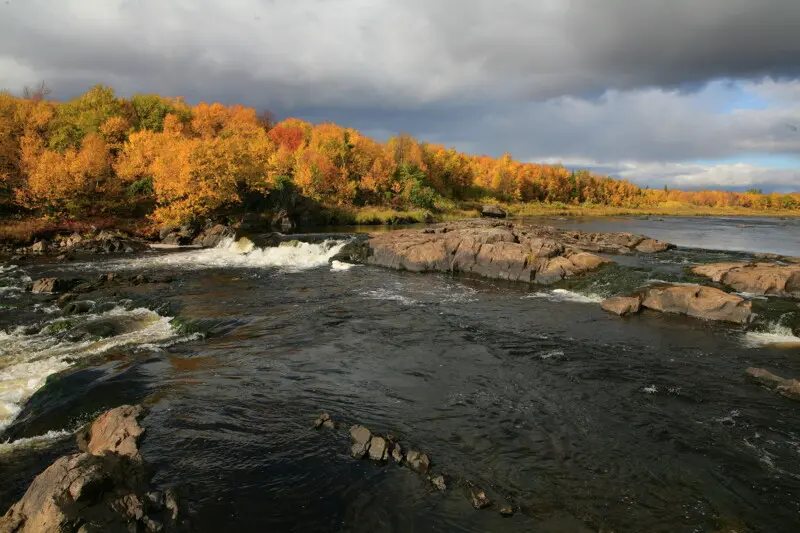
(586, 79)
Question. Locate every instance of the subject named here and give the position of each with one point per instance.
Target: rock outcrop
(48, 285)
(103, 488)
(756, 278)
(494, 249)
(211, 237)
(789, 388)
(698, 301)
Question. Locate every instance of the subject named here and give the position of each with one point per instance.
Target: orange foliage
(100, 151)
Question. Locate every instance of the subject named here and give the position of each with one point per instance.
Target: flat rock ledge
(771, 279)
(104, 488)
(789, 388)
(697, 301)
(497, 249)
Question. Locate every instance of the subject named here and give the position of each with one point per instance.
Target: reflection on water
(581, 420)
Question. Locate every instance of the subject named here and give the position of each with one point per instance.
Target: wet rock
(76, 308)
(115, 431)
(698, 301)
(64, 299)
(764, 377)
(361, 438)
(294, 243)
(493, 211)
(438, 483)
(40, 247)
(107, 491)
(324, 420)
(491, 249)
(771, 279)
(139, 279)
(282, 221)
(397, 453)
(622, 305)
(507, 511)
(176, 239)
(48, 285)
(214, 235)
(789, 388)
(479, 499)
(652, 246)
(418, 461)
(378, 450)
(84, 287)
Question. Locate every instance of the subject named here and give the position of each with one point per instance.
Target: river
(581, 420)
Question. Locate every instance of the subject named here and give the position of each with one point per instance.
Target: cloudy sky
(687, 93)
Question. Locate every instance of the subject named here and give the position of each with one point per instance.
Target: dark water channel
(581, 420)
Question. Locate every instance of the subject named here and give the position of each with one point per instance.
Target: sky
(685, 93)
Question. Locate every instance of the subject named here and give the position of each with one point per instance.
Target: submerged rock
(789, 388)
(479, 499)
(438, 483)
(698, 301)
(756, 278)
(507, 511)
(103, 488)
(325, 421)
(493, 211)
(622, 305)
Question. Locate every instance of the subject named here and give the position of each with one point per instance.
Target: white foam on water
(551, 354)
(34, 442)
(339, 266)
(563, 295)
(650, 389)
(241, 253)
(26, 361)
(386, 294)
(776, 334)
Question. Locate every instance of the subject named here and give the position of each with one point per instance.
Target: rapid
(582, 420)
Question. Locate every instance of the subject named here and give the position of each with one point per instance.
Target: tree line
(101, 154)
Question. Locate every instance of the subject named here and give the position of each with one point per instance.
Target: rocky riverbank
(105, 487)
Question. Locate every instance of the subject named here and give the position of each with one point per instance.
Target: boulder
(698, 301)
(622, 305)
(756, 278)
(40, 247)
(176, 239)
(397, 454)
(378, 450)
(214, 235)
(107, 491)
(418, 461)
(48, 285)
(115, 431)
(361, 438)
(493, 211)
(76, 308)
